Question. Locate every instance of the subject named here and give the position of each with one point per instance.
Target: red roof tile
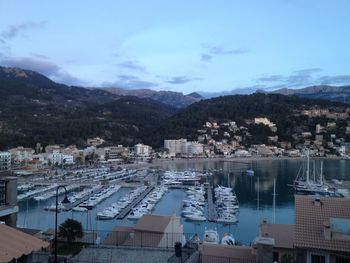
(153, 223)
(15, 243)
(282, 233)
(310, 216)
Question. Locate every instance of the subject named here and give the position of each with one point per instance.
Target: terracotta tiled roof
(15, 243)
(118, 235)
(222, 253)
(282, 233)
(310, 217)
(153, 223)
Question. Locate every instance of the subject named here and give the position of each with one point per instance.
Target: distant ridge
(324, 92)
(174, 99)
(195, 95)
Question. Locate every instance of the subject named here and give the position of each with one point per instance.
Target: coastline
(159, 161)
(234, 159)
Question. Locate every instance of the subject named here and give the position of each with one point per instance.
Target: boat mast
(258, 194)
(308, 167)
(274, 200)
(321, 175)
(314, 170)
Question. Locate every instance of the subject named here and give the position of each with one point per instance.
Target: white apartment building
(266, 122)
(21, 154)
(113, 152)
(176, 146)
(57, 158)
(5, 160)
(182, 146)
(67, 159)
(194, 148)
(142, 150)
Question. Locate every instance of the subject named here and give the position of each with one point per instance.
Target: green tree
(71, 229)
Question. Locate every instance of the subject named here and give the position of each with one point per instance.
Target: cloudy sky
(182, 45)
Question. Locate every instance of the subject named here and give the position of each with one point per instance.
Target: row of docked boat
(93, 200)
(25, 187)
(194, 206)
(34, 192)
(172, 178)
(82, 196)
(52, 193)
(113, 210)
(148, 203)
(98, 197)
(226, 205)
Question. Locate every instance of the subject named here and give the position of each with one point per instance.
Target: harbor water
(254, 193)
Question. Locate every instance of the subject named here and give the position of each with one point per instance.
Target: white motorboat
(229, 219)
(195, 217)
(79, 209)
(228, 240)
(211, 236)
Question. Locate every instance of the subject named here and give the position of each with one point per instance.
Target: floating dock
(137, 200)
(69, 206)
(212, 214)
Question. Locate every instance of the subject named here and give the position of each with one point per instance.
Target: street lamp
(65, 201)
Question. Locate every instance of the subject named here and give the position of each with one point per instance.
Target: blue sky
(185, 46)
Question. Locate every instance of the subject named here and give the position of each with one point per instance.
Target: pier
(212, 214)
(69, 206)
(137, 200)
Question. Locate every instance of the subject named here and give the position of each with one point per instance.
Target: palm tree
(71, 229)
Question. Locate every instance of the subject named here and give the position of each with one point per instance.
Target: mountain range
(174, 99)
(34, 109)
(324, 92)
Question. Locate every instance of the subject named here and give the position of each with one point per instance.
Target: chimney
(317, 202)
(263, 249)
(327, 230)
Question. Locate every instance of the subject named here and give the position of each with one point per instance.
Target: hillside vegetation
(35, 109)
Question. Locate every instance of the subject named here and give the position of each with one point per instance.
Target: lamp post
(65, 201)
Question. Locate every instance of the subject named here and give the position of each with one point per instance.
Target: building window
(275, 257)
(318, 259)
(2, 193)
(342, 260)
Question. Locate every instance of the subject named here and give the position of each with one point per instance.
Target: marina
(255, 199)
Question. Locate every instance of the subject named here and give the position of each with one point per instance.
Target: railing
(127, 237)
(187, 256)
(218, 259)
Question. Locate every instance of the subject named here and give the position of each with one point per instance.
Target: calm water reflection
(226, 173)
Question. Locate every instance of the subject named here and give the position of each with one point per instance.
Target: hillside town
(214, 139)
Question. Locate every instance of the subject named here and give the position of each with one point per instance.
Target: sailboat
(305, 185)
